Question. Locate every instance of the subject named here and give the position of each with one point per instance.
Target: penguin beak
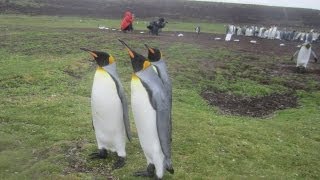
(94, 55)
(131, 54)
(150, 49)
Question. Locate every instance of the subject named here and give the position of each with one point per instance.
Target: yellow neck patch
(111, 59)
(100, 69)
(134, 77)
(146, 64)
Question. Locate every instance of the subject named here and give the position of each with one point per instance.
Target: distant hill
(171, 9)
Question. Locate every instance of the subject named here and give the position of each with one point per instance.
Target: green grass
(45, 22)
(45, 116)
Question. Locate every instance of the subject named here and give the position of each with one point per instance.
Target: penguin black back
(102, 58)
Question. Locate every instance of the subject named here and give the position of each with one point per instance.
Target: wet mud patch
(250, 106)
(78, 161)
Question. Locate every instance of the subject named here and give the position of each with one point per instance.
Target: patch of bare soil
(78, 163)
(250, 106)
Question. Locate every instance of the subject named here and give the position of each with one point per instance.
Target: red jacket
(127, 20)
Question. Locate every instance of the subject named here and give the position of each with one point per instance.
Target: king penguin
(303, 56)
(156, 59)
(150, 107)
(109, 109)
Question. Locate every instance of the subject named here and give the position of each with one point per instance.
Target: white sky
(311, 4)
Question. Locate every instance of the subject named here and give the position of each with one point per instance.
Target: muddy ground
(252, 57)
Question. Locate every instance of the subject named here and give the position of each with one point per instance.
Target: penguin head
(102, 58)
(138, 61)
(154, 54)
(307, 45)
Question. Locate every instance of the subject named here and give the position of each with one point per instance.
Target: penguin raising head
(138, 61)
(154, 54)
(102, 58)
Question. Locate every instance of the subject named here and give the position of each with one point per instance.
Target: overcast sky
(312, 4)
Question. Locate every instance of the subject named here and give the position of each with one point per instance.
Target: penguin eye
(111, 60)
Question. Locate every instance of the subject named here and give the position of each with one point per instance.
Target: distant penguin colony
(151, 101)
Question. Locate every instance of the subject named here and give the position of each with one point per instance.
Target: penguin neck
(134, 77)
(100, 69)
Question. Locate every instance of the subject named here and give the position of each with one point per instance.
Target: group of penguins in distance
(151, 101)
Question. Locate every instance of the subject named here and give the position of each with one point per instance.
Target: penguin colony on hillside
(302, 56)
(151, 101)
(274, 33)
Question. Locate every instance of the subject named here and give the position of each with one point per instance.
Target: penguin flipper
(124, 102)
(157, 93)
(164, 133)
(111, 69)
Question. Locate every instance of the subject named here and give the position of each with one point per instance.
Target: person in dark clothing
(155, 26)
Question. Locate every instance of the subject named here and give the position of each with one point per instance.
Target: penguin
(155, 57)
(303, 57)
(109, 109)
(197, 29)
(150, 107)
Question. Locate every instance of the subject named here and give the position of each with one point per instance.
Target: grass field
(45, 116)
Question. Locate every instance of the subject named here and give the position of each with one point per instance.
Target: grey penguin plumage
(303, 56)
(156, 59)
(109, 106)
(151, 110)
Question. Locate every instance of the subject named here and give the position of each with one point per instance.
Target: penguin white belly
(107, 113)
(145, 119)
(303, 57)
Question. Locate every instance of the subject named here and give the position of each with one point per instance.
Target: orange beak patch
(93, 54)
(130, 53)
(151, 50)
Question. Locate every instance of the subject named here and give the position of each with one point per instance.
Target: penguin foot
(121, 161)
(102, 154)
(148, 173)
(170, 170)
(301, 69)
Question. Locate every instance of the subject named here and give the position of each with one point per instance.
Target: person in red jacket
(126, 24)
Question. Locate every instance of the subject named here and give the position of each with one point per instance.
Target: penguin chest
(145, 120)
(106, 105)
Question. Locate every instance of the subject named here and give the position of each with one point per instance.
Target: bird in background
(197, 29)
(303, 56)
(151, 111)
(109, 109)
